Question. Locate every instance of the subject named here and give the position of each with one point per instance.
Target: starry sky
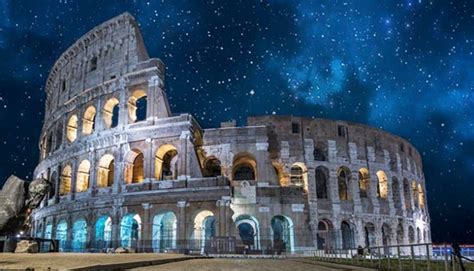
(404, 66)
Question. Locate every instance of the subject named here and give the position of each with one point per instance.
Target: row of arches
(364, 187)
(137, 108)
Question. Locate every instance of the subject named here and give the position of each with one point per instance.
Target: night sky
(404, 66)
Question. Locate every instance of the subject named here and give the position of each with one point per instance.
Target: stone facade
(127, 172)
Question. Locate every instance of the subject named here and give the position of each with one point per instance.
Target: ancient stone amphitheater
(126, 172)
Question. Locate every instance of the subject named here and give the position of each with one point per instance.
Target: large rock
(121, 250)
(26, 246)
(12, 199)
(37, 189)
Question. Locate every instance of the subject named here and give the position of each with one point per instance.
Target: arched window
(130, 231)
(421, 196)
(88, 122)
(204, 229)
(111, 113)
(326, 238)
(82, 182)
(137, 104)
(343, 177)
(103, 232)
(364, 182)
(212, 167)
(321, 182)
(65, 184)
(370, 239)
(283, 234)
(298, 175)
(347, 235)
(244, 167)
(382, 185)
(166, 162)
(72, 128)
(396, 193)
(407, 194)
(134, 167)
(105, 172)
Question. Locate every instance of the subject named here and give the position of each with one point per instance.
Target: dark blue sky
(404, 66)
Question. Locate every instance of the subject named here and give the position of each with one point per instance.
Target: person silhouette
(457, 255)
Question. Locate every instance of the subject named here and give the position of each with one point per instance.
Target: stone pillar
(334, 191)
(149, 159)
(123, 103)
(354, 184)
(118, 169)
(74, 166)
(182, 223)
(313, 204)
(183, 157)
(222, 217)
(99, 120)
(115, 216)
(57, 183)
(157, 102)
(147, 224)
(265, 172)
(69, 236)
(92, 172)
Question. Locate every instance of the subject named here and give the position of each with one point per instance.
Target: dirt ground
(237, 265)
(72, 260)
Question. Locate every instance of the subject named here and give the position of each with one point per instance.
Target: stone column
(157, 103)
(57, 183)
(92, 172)
(99, 121)
(115, 217)
(118, 169)
(149, 159)
(146, 228)
(313, 204)
(222, 218)
(334, 191)
(74, 165)
(182, 222)
(123, 103)
(183, 156)
(69, 236)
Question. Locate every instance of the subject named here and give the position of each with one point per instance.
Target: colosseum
(127, 172)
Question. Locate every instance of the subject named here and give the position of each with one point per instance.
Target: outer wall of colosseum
(127, 172)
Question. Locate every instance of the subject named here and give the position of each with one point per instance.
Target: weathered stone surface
(26, 246)
(121, 250)
(12, 199)
(36, 192)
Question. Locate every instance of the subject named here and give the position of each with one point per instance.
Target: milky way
(404, 66)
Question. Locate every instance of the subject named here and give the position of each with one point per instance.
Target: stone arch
(249, 230)
(61, 234)
(58, 136)
(326, 238)
(347, 234)
(166, 162)
(52, 187)
(411, 235)
(212, 167)
(130, 230)
(134, 163)
(103, 232)
(321, 175)
(407, 194)
(397, 202)
(204, 229)
(419, 235)
(110, 113)
(82, 179)
(71, 128)
(364, 182)
(386, 232)
(79, 235)
(343, 179)
(88, 121)
(382, 185)
(105, 171)
(164, 231)
(299, 175)
(283, 233)
(244, 167)
(65, 181)
(400, 234)
(369, 233)
(137, 105)
(279, 173)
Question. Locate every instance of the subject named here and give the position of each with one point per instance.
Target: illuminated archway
(343, 178)
(71, 128)
(105, 171)
(82, 181)
(130, 231)
(364, 182)
(61, 234)
(79, 235)
(283, 233)
(134, 163)
(111, 113)
(244, 167)
(299, 175)
(212, 167)
(382, 185)
(249, 230)
(65, 181)
(204, 228)
(166, 159)
(103, 232)
(137, 105)
(88, 121)
(164, 235)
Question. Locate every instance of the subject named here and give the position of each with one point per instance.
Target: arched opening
(326, 238)
(299, 175)
(61, 234)
(364, 182)
(421, 196)
(212, 167)
(322, 174)
(400, 234)
(244, 167)
(111, 113)
(71, 128)
(65, 182)
(396, 193)
(88, 122)
(414, 189)
(369, 232)
(166, 162)
(283, 235)
(411, 235)
(103, 232)
(204, 229)
(382, 187)
(134, 162)
(52, 184)
(164, 232)
(130, 231)
(105, 171)
(347, 235)
(82, 182)
(419, 235)
(407, 194)
(343, 178)
(79, 235)
(59, 136)
(386, 232)
(137, 105)
(249, 231)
